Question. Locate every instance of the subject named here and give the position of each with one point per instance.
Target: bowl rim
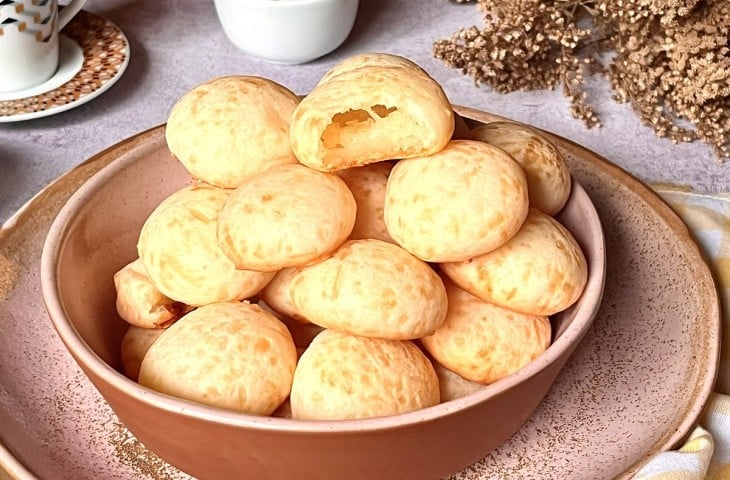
(88, 359)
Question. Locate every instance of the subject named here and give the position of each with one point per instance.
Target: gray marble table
(178, 44)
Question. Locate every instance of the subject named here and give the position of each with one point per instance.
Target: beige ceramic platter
(635, 385)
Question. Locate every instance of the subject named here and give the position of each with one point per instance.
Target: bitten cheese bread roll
(287, 216)
(540, 271)
(232, 355)
(135, 343)
(139, 302)
(483, 342)
(370, 114)
(463, 201)
(342, 376)
(367, 184)
(547, 172)
(179, 250)
(230, 128)
(372, 59)
(371, 288)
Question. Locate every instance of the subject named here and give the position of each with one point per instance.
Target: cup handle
(69, 11)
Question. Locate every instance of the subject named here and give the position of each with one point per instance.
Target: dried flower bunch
(669, 58)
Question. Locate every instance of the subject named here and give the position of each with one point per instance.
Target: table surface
(177, 45)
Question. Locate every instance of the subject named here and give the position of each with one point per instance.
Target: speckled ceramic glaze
(625, 393)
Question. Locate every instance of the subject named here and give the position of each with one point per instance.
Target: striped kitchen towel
(706, 453)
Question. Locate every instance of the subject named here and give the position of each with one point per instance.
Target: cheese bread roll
(277, 295)
(342, 376)
(452, 385)
(463, 201)
(179, 250)
(547, 172)
(287, 216)
(230, 128)
(483, 342)
(368, 114)
(371, 288)
(367, 184)
(232, 355)
(540, 271)
(135, 343)
(139, 302)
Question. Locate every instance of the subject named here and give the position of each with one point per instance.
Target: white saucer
(103, 52)
(71, 58)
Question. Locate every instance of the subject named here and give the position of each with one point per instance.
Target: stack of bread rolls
(348, 255)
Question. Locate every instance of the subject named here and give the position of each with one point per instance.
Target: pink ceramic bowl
(95, 234)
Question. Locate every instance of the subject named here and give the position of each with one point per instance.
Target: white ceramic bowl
(287, 31)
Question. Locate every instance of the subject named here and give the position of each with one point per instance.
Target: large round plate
(635, 385)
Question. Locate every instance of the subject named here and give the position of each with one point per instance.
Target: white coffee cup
(287, 31)
(29, 40)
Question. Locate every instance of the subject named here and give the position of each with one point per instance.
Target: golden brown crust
(287, 216)
(139, 302)
(372, 59)
(482, 342)
(452, 385)
(547, 172)
(367, 184)
(230, 128)
(371, 377)
(135, 343)
(371, 288)
(277, 295)
(369, 114)
(463, 201)
(179, 250)
(540, 271)
(232, 355)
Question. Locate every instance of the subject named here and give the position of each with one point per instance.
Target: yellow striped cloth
(706, 454)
